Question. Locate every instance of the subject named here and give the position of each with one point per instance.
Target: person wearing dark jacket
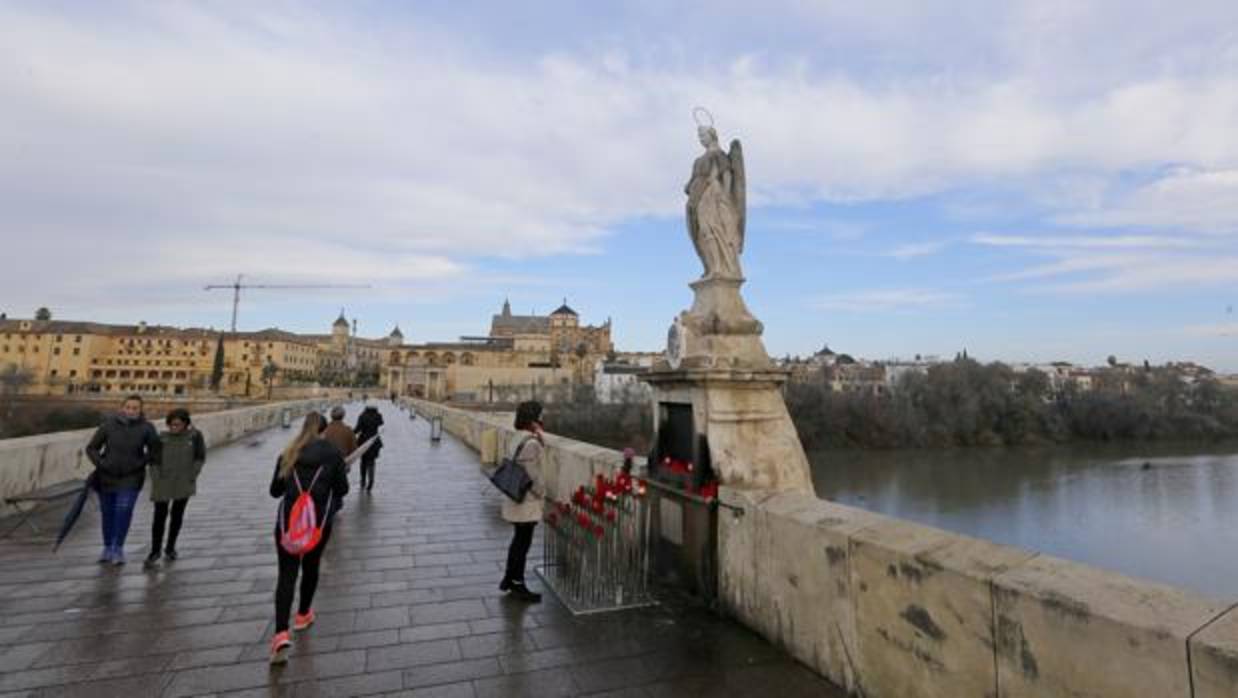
(120, 450)
(367, 428)
(174, 480)
(309, 464)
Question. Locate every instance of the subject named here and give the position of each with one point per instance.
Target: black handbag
(511, 478)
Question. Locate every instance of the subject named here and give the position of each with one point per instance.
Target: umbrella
(75, 511)
(355, 455)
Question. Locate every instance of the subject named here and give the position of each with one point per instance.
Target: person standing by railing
(524, 516)
(121, 449)
(174, 480)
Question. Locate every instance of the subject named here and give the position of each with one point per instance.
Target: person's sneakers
(280, 644)
(152, 559)
(505, 585)
(303, 621)
(523, 593)
(118, 557)
(171, 554)
(105, 556)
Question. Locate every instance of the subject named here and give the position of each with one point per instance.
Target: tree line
(960, 403)
(966, 403)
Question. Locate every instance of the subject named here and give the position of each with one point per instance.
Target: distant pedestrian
(525, 515)
(174, 480)
(368, 425)
(311, 466)
(338, 433)
(121, 449)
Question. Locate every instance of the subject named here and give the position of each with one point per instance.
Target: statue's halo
(700, 115)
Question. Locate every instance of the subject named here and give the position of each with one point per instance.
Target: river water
(1163, 512)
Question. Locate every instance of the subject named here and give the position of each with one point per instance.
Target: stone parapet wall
(34, 462)
(893, 609)
(889, 608)
(566, 465)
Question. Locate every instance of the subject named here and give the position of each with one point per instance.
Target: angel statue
(716, 205)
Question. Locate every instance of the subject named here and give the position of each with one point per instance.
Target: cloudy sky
(1031, 180)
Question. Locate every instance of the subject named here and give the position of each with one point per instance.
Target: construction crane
(237, 286)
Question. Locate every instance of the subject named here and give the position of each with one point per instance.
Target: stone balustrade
(33, 462)
(893, 609)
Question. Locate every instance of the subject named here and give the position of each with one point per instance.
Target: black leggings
(367, 471)
(289, 566)
(161, 516)
(522, 538)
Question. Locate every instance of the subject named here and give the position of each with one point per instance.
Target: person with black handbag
(524, 514)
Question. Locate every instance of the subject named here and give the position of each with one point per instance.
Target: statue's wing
(739, 187)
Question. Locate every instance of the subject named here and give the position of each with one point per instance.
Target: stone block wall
(891, 609)
(34, 462)
(888, 608)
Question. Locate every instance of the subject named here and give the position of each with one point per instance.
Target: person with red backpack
(311, 482)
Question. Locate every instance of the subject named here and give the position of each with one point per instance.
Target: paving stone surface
(408, 602)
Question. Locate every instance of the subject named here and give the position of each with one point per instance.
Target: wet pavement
(407, 606)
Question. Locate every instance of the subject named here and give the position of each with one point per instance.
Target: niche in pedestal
(677, 437)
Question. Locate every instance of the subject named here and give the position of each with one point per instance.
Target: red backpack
(302, 532)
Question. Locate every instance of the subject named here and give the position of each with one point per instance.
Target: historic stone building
(343, 357)
(55, 357)
(522, 356)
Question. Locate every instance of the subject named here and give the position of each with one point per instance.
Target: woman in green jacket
(174, 480)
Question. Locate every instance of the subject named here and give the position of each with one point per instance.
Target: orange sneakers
(301, 622)
(280, 644)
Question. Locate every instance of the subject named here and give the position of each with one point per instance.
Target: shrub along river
(1164, 512)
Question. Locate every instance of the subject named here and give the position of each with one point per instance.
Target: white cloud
(916, 249)
(889, 300)
(176, 142)
(1082, 241)
(1195, 200)
(1213, 330)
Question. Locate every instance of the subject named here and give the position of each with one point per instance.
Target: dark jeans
(518, 551)
(161, 517)
(116, 512)
(367, 471)
(289, 566)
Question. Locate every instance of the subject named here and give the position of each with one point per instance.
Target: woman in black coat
(120, 450)
(309, 464)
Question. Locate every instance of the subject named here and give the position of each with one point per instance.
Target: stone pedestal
(717, 365)
(743, 419)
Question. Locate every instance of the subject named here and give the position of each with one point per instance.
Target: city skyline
(1024, 183)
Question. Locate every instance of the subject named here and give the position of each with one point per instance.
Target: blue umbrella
(75, 511)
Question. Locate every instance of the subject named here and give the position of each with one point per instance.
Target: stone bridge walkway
(408, 603)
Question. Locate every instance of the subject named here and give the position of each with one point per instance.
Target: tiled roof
(521, 324)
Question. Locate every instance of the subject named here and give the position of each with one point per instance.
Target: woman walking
(525, 515)
(174, 480)
(120, 450)
(313, 466)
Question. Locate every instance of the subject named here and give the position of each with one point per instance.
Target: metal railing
(596, 547)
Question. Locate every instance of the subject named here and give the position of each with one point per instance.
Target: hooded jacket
(180, 463)
(121, 449)
(332, 482)
(367, 428)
